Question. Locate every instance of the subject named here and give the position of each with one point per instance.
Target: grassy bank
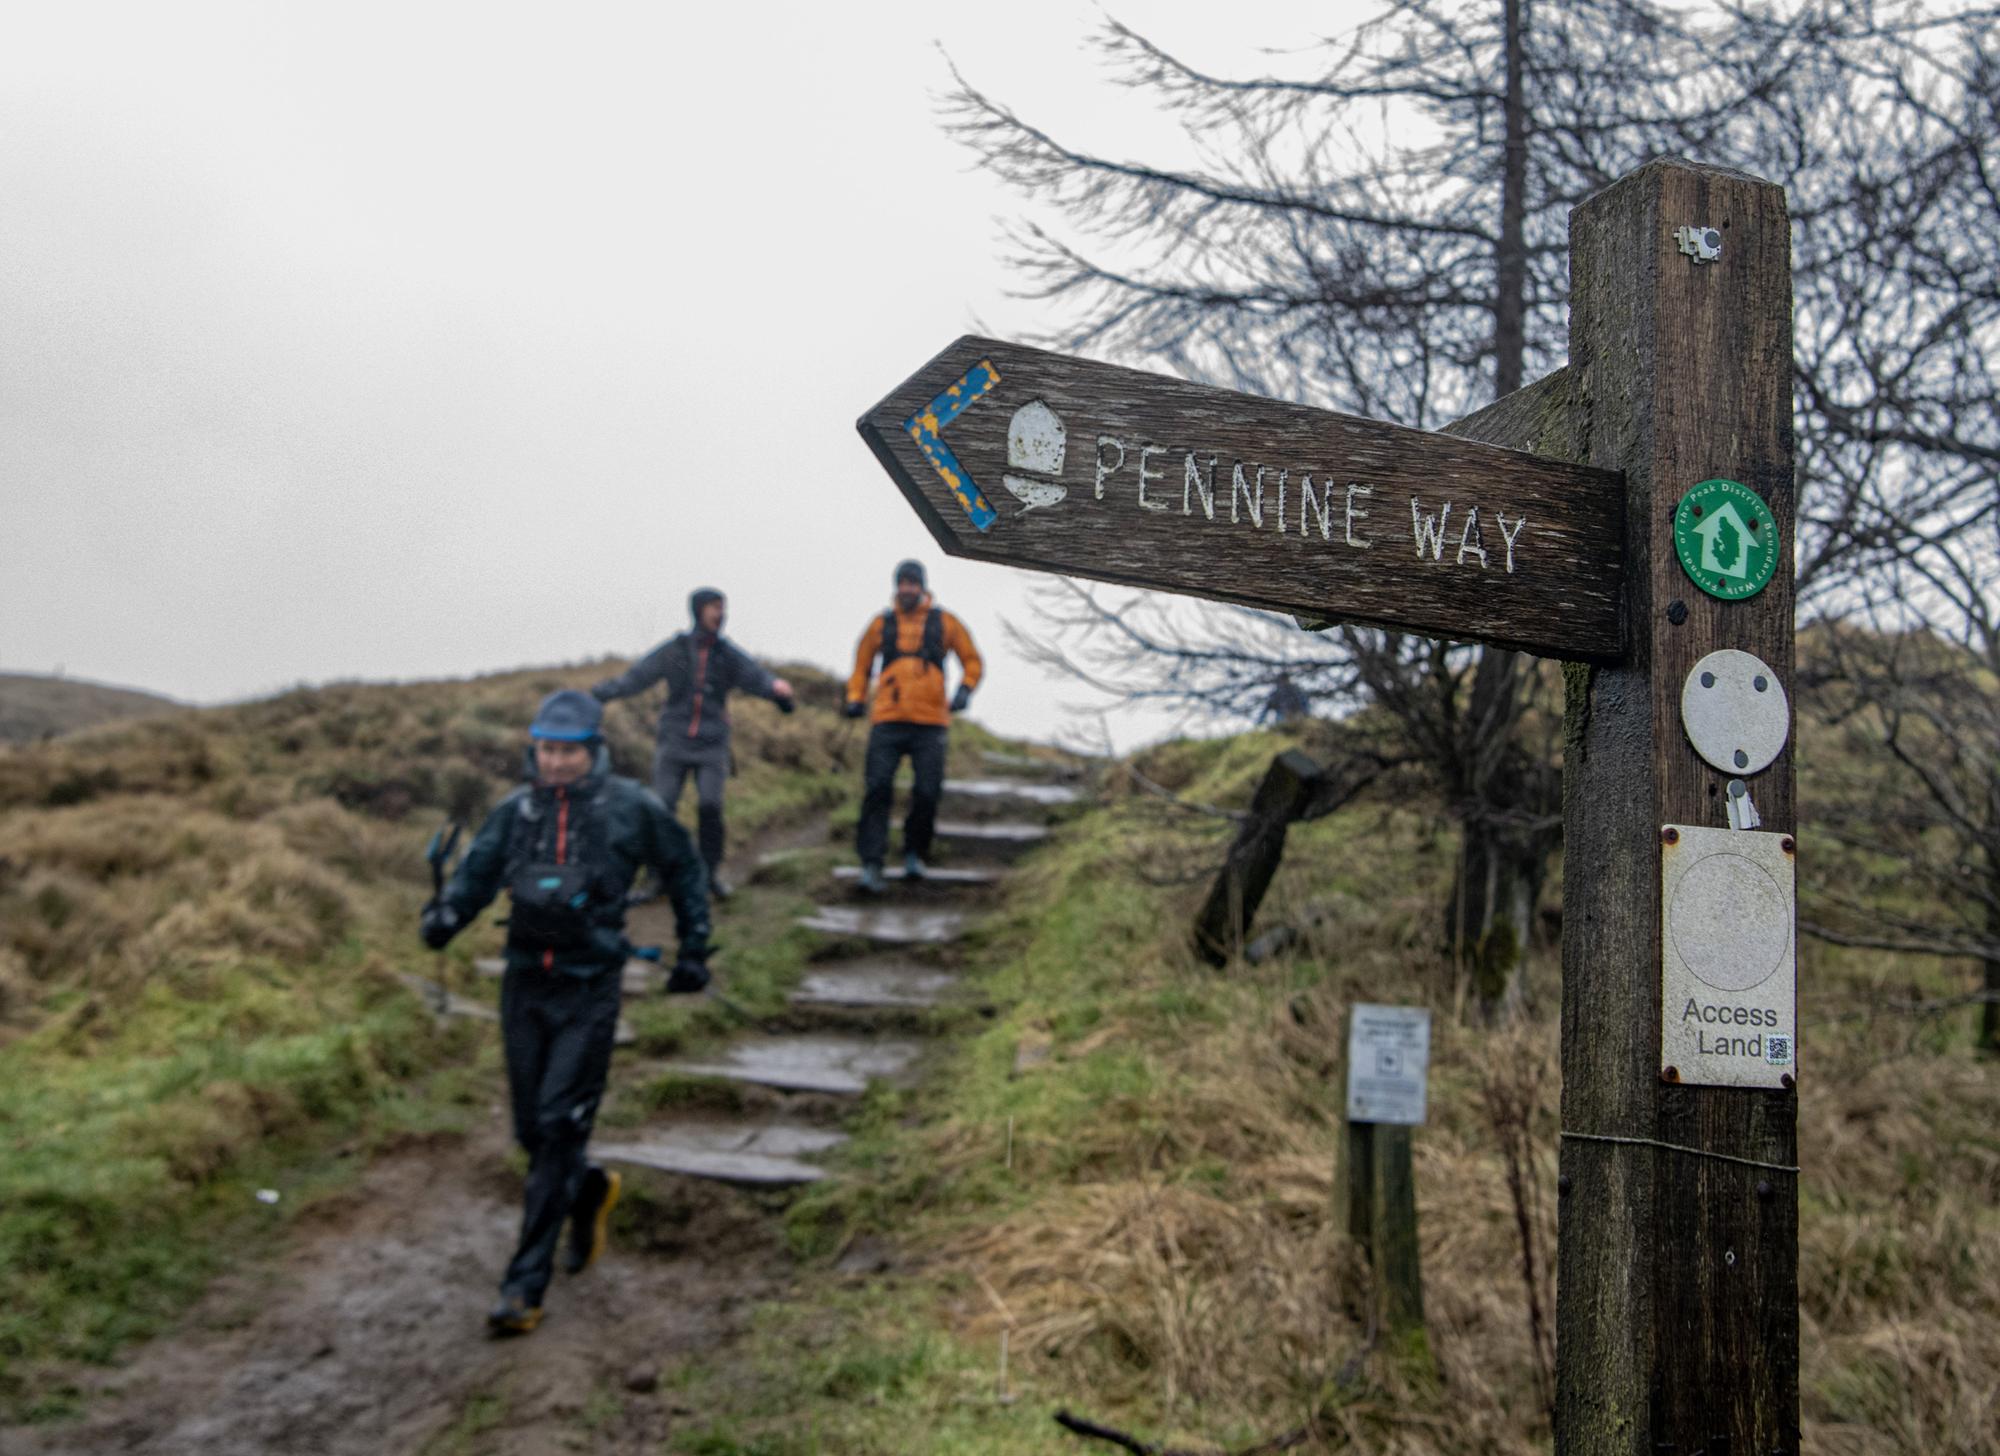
(203, 920)
(1126, 1176)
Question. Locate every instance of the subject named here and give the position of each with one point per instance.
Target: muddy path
(362, 1332)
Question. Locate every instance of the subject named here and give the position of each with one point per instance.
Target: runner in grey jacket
(701, 668)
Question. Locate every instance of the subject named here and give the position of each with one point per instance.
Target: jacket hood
(699, 598)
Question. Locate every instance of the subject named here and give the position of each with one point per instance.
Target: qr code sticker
(1778, 1050)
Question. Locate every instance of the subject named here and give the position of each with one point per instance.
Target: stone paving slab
(933, 875)
(1022, 764)
(873, 983)
(994, 838)
(888, 924)
(815, 1062)
(1049, 796)
(770, 1154)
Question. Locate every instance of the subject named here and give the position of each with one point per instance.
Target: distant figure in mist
(911, 717)
(1286, 704)
(701, 668)
(565, 846)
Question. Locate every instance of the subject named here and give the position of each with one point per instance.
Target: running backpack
(932, 648)
(554, 905)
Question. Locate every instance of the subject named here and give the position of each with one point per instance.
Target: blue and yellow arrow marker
(927, 428)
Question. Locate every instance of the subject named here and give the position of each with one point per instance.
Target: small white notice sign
(1388, 1061)
(1728, 958)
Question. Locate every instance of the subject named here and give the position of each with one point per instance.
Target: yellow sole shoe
(513, 1320)
(600, 1226)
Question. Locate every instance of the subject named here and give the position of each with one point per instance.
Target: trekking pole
(442, 846)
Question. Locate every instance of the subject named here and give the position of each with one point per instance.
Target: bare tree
(1387, 233)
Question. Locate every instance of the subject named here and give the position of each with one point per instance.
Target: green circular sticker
(1727, 539)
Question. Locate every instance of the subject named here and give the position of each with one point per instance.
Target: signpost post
(1630, 514)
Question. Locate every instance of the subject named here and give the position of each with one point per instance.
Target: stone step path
(995, 839)
(932, 875)
(1024, 791)
(883, 959)
(805, 1062)
(883, 984)
(768, 1154)
(887, 924)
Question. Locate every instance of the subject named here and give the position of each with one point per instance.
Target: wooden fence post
(1677, 1306)
(1254, 856)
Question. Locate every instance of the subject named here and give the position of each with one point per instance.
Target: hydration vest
(931, 650)
(556, 902)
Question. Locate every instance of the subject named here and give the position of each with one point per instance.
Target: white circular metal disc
(1729, 922)
(1735, 712)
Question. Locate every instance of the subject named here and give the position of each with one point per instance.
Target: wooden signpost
(1546, 522)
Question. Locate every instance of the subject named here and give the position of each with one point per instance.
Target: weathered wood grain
(1677, 1307)
(1222, 538)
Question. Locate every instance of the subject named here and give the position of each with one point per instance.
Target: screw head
(1786, 1081)
(1763, 1187)
(1562, 1184)
(1670, 1074)
(1788, 844)
(1677, 611)
(1670, 835)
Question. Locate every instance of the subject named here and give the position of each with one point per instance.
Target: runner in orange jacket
(911, 717)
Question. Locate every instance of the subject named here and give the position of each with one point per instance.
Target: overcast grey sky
(392, 341)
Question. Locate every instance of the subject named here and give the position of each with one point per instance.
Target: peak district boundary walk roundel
(1727, 539)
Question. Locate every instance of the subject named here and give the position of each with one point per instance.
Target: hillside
(203, 919)
(1111, 1190)
(33, 707)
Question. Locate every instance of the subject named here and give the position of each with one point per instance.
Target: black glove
(690, 974)
(438, 925)
(854, 710)
(787, 704)
(961, 698)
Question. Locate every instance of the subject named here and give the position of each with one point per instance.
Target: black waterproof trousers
(672, 764)
(557, 1029)
(888, 743)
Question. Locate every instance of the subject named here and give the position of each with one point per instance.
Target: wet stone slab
(771, 1154)
(873, 983)
(933, 875)
(994, 840)
(807, 1063)
(1048, 796)
(887, 924)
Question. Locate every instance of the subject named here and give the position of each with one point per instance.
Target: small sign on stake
(1388, 1059)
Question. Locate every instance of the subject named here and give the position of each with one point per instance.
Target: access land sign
(1728, 958)
(1041, 460)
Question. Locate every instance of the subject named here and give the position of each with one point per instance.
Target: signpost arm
(1677, 1308)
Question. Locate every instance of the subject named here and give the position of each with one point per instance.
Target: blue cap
(568, 717)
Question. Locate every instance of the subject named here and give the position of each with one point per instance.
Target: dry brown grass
(1169, 1258)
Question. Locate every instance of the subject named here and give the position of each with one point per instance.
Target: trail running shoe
(871, 881)
(513, 1315)
(719, 888)
(913, 866)
(590, 1220)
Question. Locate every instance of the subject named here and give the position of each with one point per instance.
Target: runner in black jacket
(565, 846)
(702, 668)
